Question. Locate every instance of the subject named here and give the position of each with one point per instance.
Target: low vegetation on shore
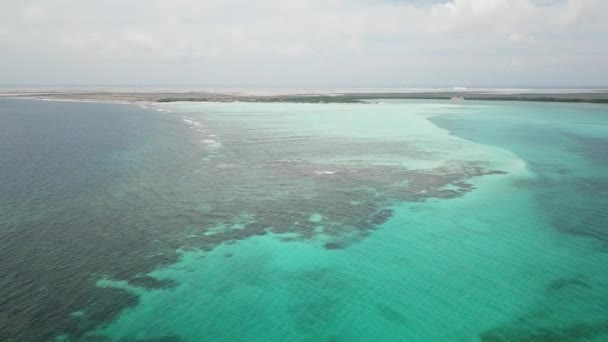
(366, 97)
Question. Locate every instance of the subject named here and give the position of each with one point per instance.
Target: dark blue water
(74, 204)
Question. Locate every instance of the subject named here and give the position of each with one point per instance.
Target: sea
(401, 220)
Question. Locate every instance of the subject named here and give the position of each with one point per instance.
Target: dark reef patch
(390, 314)
(566, 283)
(572, 333)
(558, 317)
(321, 306)
(117, 190)
(159, 339)
(333, 245)
(381, 216)
(350, 198)
(594, 149)
(584, 217)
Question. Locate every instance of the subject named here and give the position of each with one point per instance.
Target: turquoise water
(399, 221)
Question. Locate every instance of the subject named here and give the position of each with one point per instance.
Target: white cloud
(137, 45)
(295, 50)
(141, 40)
(233, 41)
(521, 38)
(81, 40)
(35, 14)
(474, 15)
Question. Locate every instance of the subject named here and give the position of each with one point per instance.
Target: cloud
(133, 44)
(35, 14)
(141, 40)
(521, 38)
(240, 41)
(474, 15)
(295, 50)
(87, 40)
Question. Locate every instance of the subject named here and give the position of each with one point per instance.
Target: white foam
(325, 172)
(211, 144)
(191, 122)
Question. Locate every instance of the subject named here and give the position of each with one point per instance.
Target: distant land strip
(117, 96)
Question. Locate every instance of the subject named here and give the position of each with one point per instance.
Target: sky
(354, 43)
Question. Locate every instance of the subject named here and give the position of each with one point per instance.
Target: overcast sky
(305, 43)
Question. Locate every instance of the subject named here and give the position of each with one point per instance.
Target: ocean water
(398, 221)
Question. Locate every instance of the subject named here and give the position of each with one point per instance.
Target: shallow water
(405, 220)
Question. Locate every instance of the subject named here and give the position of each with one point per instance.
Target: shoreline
(152, 97)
